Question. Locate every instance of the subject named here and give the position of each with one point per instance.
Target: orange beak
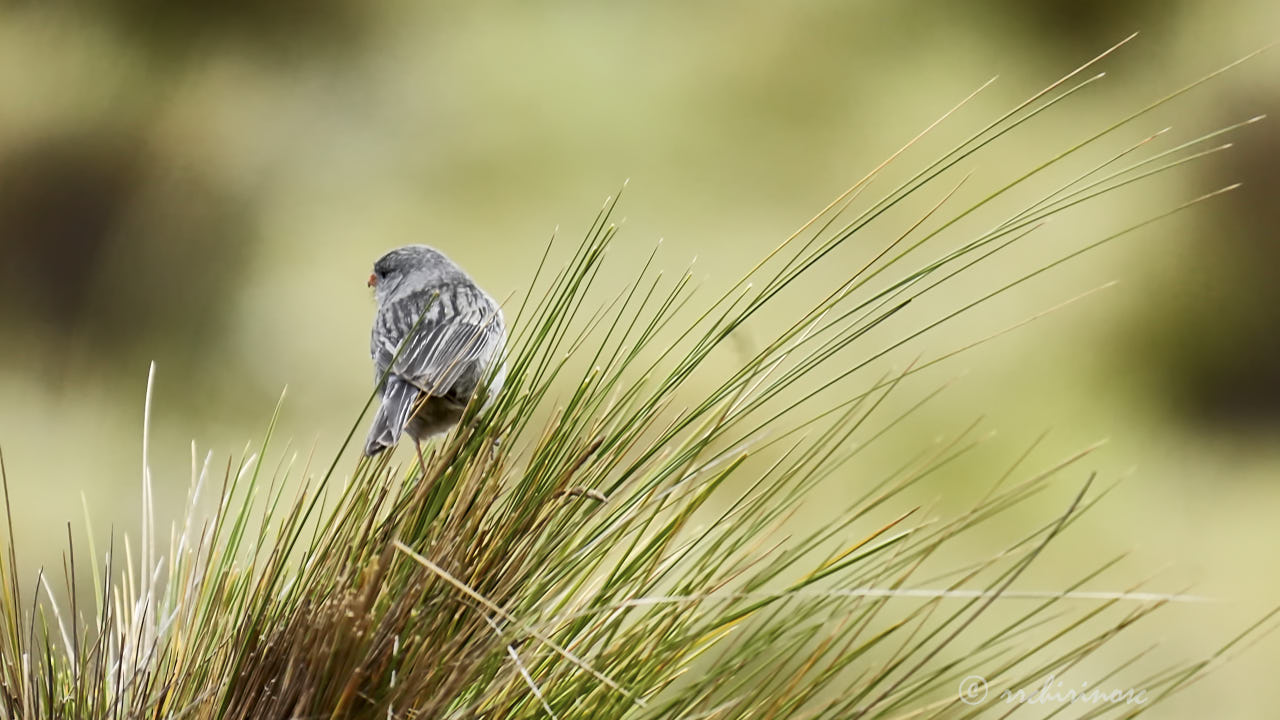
(373, 280)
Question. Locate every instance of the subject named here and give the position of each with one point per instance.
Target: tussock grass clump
(614, 550)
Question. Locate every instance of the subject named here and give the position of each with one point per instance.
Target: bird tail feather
(398, 400)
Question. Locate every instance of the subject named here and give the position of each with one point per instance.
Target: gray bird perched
(459, 337)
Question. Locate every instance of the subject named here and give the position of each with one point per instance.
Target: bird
(426, 376)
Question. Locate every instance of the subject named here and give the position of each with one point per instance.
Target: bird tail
(398, 400)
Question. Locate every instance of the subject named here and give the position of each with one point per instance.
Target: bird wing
(460, 332)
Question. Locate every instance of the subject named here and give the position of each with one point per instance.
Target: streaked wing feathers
(459, 334)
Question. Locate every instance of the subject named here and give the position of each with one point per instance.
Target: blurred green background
(206, 185)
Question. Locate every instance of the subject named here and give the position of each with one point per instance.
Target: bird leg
(422, 464)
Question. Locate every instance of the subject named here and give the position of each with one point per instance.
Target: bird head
(409, 268)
